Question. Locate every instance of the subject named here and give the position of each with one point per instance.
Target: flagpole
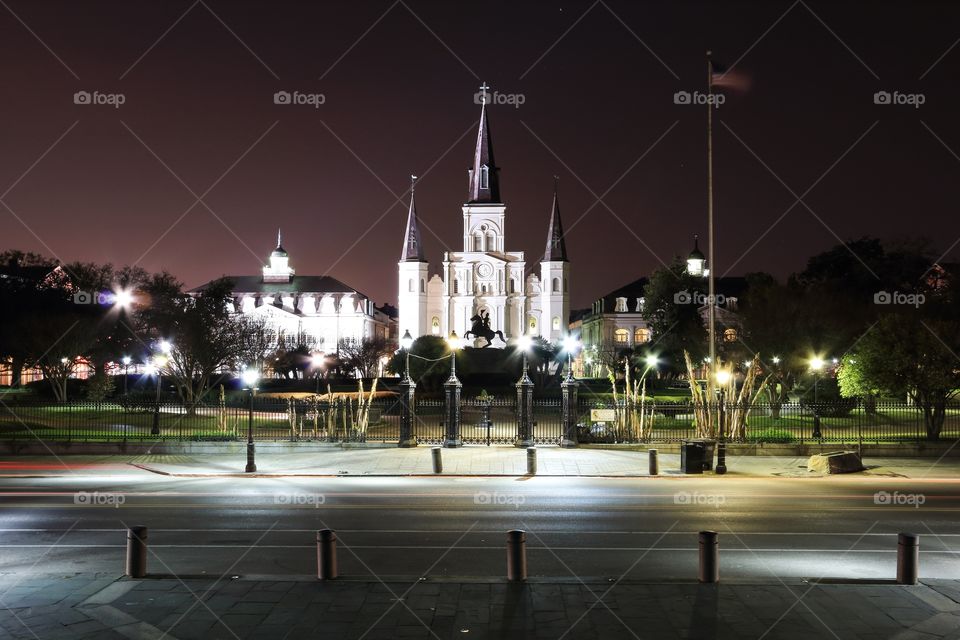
(712, 322)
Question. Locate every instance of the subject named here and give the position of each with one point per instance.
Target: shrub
(781, 436)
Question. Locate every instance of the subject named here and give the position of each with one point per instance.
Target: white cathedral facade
(484, 284)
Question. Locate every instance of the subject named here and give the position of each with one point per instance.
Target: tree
(673, 299)
(364, 356)
(853, 384)
(21, 291)
(429, 362)
(55, 335)
(205, 337)
(259, 341)
(913, 353)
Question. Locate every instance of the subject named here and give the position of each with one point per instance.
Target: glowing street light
(570, 345)
(123, 298)
(166, 347)
(776, 359)
(454, 342)
(652, 361)
(723, 377)
(406, 342)
(816, 365)
(249, 378)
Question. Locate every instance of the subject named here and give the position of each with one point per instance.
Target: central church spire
(484, 178)
(412, 249)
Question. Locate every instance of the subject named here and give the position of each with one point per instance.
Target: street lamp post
(524, 398)
(407, 391)
(126, 373)
(159, 362)
(816, 365)
(723, 378)
(451, 390)
(569, 388)
(250, 377)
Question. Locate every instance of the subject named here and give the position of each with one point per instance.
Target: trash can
(692, 454)
(709, 447)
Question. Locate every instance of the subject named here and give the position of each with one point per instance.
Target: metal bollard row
(908, 556)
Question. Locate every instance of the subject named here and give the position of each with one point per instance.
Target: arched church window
(556, 323)
(513, 285)
(532, 323)
(423, 285)
(484, 177)
(491, 241)
(556, 285)
(435, 326)
(410, 285)
(729, 335)
(478, 242)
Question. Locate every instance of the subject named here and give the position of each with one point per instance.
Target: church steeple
(556, 246)
(412, 247)
(484, 178)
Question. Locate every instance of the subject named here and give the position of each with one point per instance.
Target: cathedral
(483, 292)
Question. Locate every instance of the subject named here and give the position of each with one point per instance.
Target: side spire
(412, 248)
(484, 175)
(556, 245)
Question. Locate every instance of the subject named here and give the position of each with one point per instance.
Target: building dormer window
(640, 302)
(484, 177)
(621, 306)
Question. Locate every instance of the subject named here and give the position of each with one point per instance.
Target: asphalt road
(633, 528)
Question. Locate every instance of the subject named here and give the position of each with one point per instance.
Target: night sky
(88, 182)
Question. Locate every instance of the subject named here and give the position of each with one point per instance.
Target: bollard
(654, 463)
(516, 555)
(437, 453)
(531, 461)
(908, 558)
(136, 552)
(709, 557)
(326, 554)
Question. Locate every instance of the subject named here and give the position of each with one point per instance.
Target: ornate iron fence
(482, 422)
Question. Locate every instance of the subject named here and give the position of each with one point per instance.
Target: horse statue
(481, 329)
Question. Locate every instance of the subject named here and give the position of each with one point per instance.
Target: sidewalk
(83, 606)
(511, 461)
(472, 461)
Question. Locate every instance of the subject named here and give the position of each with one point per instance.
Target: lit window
(729, 335)
(435, 326)
(556, 324)
(621, 336)
(533, 324)
(641, 335)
